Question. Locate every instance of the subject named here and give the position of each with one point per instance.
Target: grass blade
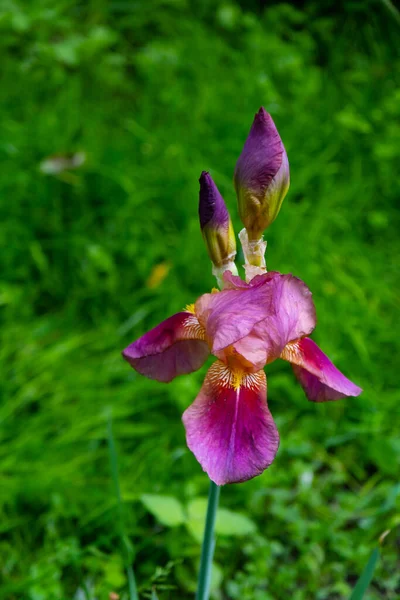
(365, 577)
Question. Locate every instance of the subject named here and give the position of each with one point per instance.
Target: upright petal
(275, 310)
(233, 282)
(232, 314)
(229, 428)
(293, 316)
(175, 347)
(318, 376)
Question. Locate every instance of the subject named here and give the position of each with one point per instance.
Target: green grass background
(155, 92)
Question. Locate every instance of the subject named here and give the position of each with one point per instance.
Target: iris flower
(245, 326)
(229, 427)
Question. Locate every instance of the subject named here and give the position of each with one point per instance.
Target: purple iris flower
(246, 326)
(229, 427)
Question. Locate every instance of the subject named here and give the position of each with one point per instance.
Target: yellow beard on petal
(291, 351)
(190, 308)
(222, 375)
(192, 329)
(237, 375)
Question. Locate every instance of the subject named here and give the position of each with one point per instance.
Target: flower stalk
(207, 550)
(245, 325)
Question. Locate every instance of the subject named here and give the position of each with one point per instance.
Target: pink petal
(252, 348)
(229, 428)
(175, 347)
(230, 315)
(293, 318)
(233, 282)
(319, 377)
(272, 311)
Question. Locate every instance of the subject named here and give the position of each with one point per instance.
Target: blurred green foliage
(149, 94)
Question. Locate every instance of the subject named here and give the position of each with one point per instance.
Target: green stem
(207, 550)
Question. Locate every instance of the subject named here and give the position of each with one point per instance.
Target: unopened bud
(215, 222)
(261, 176)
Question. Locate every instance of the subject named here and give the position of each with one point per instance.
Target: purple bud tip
(263, 125)
(261, 157)
(212, 209)
(262, 116)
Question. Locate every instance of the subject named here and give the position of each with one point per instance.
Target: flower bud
(261, 176)
(216, 225)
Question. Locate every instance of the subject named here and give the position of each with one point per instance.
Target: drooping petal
(229, 427)
(175, 347)
(318, 376)
(273, 311)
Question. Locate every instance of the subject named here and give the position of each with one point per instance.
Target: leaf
(228, 522)
(114, 571)
(166, 509)
(366, 577)
(217, 576)
(233, 523)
